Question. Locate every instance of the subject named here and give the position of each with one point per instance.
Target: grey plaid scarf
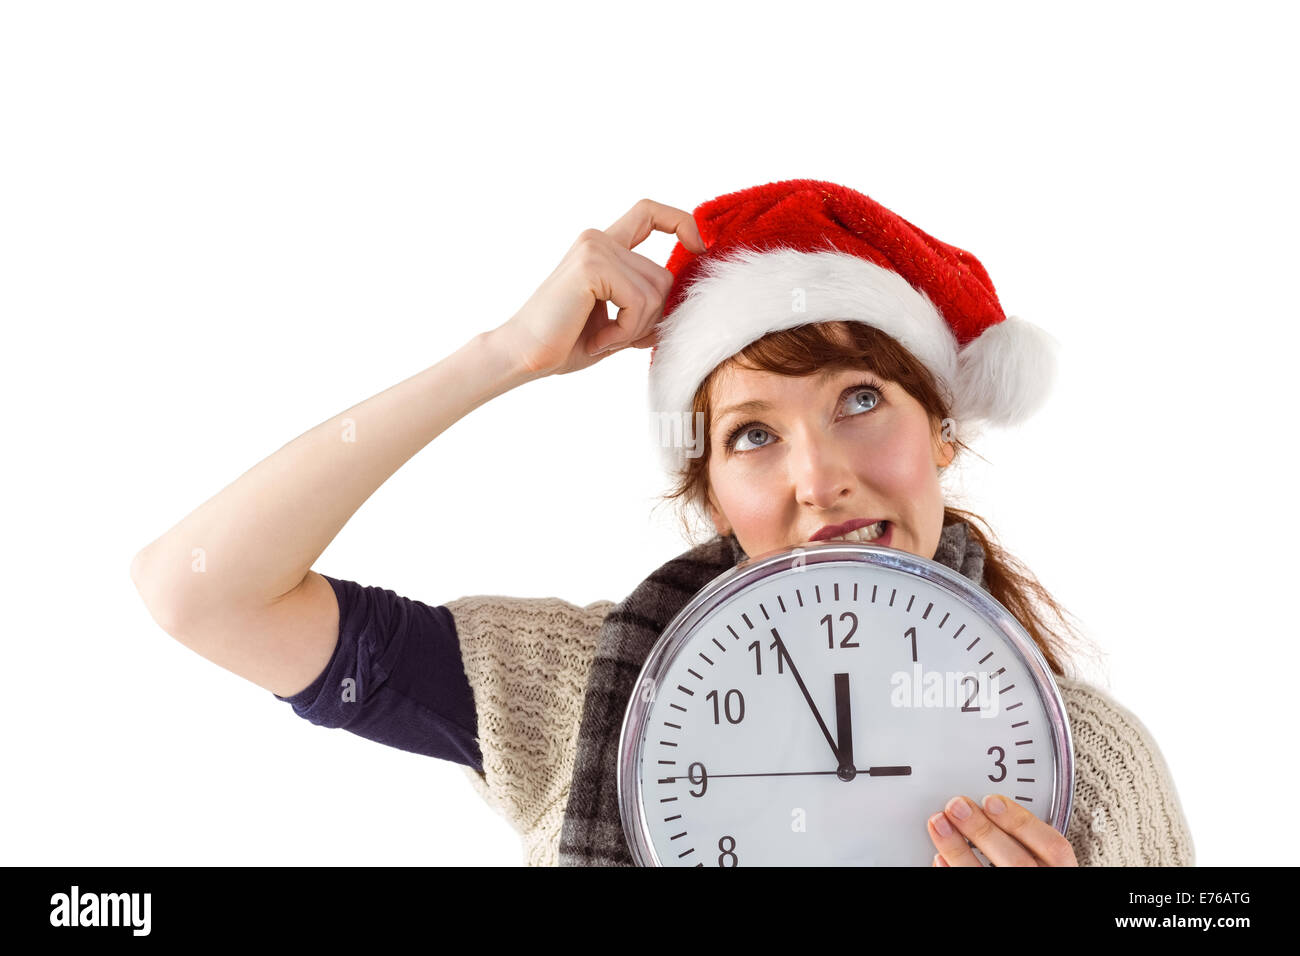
(592, 833)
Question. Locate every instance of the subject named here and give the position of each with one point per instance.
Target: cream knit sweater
(527, 660)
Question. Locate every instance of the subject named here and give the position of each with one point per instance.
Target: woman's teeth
(869, 533)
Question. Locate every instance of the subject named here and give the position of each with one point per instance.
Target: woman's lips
(883, 541)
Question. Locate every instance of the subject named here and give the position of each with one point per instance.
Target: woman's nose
(821, 473)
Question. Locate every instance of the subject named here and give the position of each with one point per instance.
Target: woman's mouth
(879, 533)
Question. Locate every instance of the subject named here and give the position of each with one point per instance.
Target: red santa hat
(804, 251)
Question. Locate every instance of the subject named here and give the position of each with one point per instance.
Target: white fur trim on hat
(1002, 376)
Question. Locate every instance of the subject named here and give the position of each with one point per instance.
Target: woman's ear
(944, 451)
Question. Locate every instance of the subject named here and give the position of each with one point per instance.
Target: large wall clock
(813, 707)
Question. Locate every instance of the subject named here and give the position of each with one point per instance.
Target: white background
(223, 223)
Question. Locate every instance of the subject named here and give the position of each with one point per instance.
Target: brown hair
(813, 348)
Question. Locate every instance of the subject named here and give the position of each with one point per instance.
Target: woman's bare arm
(233, 581)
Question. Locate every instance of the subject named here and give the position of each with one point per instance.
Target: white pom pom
(1005, 375)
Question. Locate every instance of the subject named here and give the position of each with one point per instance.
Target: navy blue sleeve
(396, 677)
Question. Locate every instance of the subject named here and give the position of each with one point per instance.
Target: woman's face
(825, 449)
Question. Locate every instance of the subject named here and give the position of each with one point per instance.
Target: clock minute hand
(780, 646)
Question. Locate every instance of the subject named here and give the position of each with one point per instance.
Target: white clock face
(821, 714)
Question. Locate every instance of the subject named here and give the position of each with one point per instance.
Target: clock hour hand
(780, 647)
(844, 727)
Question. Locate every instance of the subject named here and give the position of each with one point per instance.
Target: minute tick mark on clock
(720, 646)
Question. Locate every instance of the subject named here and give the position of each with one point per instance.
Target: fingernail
(939, 860)
(993, 805)
(941, 825)
(959, 808)
(612, 345)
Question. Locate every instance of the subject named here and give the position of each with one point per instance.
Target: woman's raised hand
(565, 325)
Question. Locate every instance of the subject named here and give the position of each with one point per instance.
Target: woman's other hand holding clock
(1005, 832)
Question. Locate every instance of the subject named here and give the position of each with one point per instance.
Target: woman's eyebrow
(759, 405)
(744, 408)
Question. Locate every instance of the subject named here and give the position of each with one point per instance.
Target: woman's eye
(745, 433)
(872, 392)
(860, 399)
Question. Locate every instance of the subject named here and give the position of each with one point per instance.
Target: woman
(810, 368)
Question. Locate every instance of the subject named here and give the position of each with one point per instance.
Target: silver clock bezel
(755, 570)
